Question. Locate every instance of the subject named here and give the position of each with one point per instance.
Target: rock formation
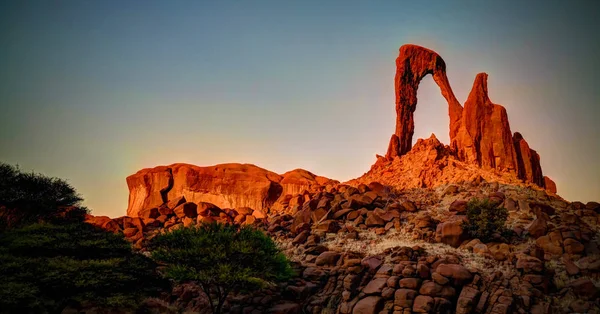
(225, 185)
(412, 65)
(484, 137)
(528, 162)
(394, 240)
(479, 133)
(370, 249)
(549, 184)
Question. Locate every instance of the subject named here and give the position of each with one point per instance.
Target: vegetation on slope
(50, 259)
(221, 258)
(485, 219)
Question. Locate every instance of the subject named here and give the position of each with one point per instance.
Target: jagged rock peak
(480, 132)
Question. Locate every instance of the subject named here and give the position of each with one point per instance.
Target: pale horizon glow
(94, 91)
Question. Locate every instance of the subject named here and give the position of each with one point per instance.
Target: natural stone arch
(412, 65)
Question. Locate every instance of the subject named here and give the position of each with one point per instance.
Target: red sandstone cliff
(225, 185)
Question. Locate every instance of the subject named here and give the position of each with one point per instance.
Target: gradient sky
(92, 91)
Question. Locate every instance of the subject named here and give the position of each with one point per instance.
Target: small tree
(31, 197)
(44, 268)
(484, 219)
(221, 258)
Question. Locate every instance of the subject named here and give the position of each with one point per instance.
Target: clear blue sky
(93, 91)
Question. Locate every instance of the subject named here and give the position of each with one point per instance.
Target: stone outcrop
(430, 164)
(528, 162)
(298, 180)
(480, 132)
(412, 65)
(549, 185)
(225, 185)
(364, 248)
(484, 137)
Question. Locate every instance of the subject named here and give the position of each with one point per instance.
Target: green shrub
(221, 258)
(31, 197)
(485, 219)
(44, 268)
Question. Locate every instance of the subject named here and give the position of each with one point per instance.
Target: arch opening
(431, 115)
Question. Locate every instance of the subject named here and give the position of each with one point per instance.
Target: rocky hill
(394, 240)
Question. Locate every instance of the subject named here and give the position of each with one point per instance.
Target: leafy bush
(44, 268)
(31, 197)
(485, 219)
(221, 258)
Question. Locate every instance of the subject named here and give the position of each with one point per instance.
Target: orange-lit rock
(480, 132)
(414, 63)
(148, 188)
(298, 180)
(225, 185)
(550, 185)
(528, 161)
(484, 137)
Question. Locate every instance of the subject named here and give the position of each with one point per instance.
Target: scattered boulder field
(393, 240)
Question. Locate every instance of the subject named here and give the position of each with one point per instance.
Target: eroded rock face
(148, 188)
(484, 137)
(414, 63)
(549, 185)
(298, 180)
(480, 133)
(225, 185)
(528, 161)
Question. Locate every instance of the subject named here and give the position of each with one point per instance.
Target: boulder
(368, 305)
(458, 206)
(538, 228)
(375, 286)
(451, 232)
(467, 300)
(409, 283)
(244, 210)
(207, 209)
(175, 202)
(529, 264)
(328, 258)
(430, 288)
(404, 297)
(340, 213)
(149, 213)
(187, 209)
(328, 226)
(373, 220)
(459, 273)
(259, 214)
(373, 262)
(423, 304)
(301, 237)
